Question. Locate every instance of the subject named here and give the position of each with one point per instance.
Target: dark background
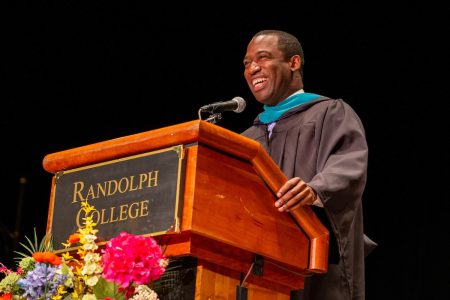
(79, 72)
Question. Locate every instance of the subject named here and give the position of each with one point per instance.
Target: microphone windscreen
(241, 104)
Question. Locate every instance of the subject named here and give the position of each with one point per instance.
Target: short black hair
(288, 44)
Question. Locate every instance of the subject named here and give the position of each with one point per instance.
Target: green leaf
(45, 244)
(68, 297)
(30, 249)
(35, 239)
(105, 288)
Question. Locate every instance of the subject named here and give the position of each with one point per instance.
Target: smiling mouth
(258, 83)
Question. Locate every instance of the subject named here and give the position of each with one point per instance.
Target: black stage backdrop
(76, 73)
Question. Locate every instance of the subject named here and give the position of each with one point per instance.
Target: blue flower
(42, 282)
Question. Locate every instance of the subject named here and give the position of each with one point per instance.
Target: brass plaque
(138, 194)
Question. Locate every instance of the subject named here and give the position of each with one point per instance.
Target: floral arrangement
(124, 269)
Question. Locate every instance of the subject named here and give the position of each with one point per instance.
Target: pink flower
(129, 258)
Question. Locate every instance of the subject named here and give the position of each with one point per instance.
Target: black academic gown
(323, 142)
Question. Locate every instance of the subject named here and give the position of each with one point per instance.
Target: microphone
(237, 104)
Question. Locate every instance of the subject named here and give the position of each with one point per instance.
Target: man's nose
(254, 67)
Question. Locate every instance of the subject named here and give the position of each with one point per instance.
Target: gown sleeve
(341, 166)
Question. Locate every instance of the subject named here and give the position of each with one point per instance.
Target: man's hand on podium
(295, 192)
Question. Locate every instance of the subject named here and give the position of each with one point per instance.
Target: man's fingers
(299, 195)
(288, 185)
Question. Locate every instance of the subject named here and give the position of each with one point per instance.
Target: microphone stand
(213, 117)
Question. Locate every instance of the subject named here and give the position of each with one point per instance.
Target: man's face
(267, 73)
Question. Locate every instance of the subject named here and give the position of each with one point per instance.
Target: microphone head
(241, 104)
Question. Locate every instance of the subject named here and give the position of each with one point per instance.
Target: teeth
(258, 80)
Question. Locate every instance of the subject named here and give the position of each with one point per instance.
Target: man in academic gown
(320, 144)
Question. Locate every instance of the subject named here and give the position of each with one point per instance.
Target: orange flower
(38, 256)
(47, 257)
(6, 296)
(74, 238)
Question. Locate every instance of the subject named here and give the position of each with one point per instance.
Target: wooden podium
(229, 223)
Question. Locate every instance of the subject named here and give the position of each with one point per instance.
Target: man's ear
(295, 62)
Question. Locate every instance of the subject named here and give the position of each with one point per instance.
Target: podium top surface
(196, 131)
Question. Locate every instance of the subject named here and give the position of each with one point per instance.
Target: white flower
(92, 280)
(90, 247)
(163, 262)
(89, 297)
(92, 257)
(91, 268)
(143, 292)
(90, 238)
